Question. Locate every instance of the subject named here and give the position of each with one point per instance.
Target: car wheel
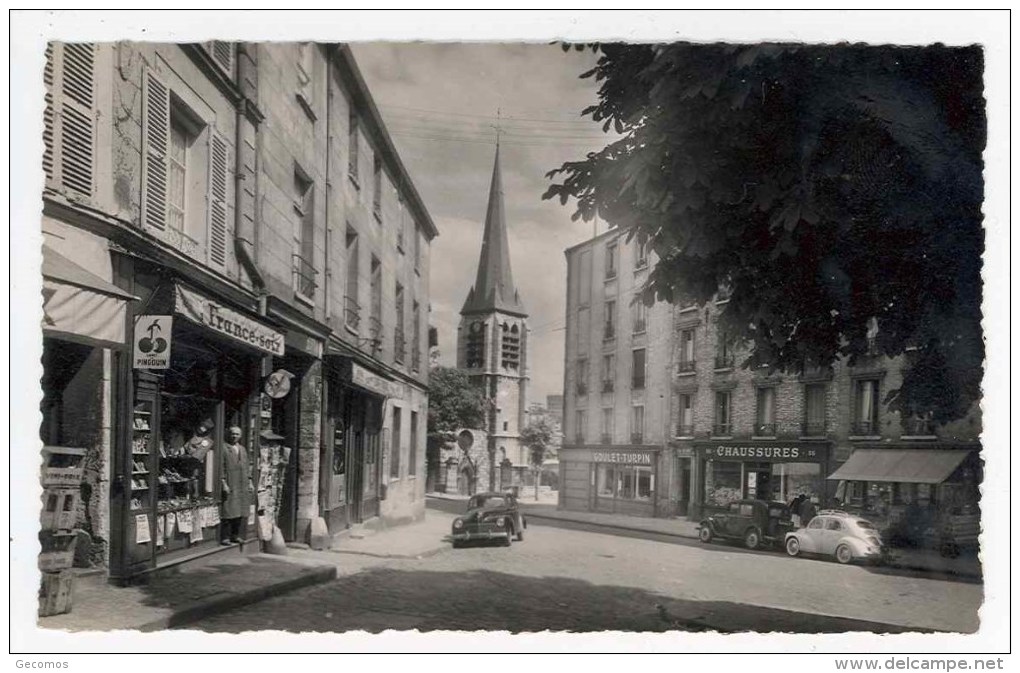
(457, 544)
(509, 538)
(752, 538)
(844, 554)
(705, 534)
(793, 546)
(520, 535)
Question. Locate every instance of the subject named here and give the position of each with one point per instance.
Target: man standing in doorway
(237, 487)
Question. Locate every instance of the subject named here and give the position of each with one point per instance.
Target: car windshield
(486, 501)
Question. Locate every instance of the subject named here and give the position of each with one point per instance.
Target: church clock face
(476, 327)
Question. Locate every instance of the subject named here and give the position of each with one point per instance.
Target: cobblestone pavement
(570, 580)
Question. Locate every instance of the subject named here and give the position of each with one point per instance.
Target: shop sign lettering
(226, 321)
(770, 453)
(377, 384)
(630, 458)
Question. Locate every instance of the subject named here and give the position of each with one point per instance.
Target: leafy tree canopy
(537, 436)
(454, 402)
(822, 186)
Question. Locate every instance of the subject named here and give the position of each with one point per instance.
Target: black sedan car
(754, 522)
(489, 516)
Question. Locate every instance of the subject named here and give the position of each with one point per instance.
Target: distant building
(492, 345)
(554, 408)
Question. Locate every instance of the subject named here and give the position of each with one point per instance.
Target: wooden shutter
(69, 132)
(223, 54)
(156, 143)
(218, 176)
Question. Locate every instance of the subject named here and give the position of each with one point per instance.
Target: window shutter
(156, 139)
(218, 176)
(48, 115)
(77, 132)
(223, 54)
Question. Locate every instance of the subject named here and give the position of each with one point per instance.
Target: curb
(635, 529)
(212, 606)
(425, 554)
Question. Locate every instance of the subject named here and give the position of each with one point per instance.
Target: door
(355, 456)
(289, 429)
(834, 531)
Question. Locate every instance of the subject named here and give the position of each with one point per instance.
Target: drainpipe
(244, 230)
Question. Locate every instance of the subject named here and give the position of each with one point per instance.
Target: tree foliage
(454, 402)
(537, 436)
(822, 186)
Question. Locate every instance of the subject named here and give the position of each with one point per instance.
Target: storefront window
(792, 479)
(605, 480)
(624, 482)
(186, 453)
(722, 482)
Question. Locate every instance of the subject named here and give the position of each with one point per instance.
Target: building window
(686, 351)
(865, 416)
(352, 148)
(305, 84)
(871, 337)
(352, 310)
(475, 346)
(611, 261)
(69, 129)
(814, 410)
(583, 329)
(375, 307)
(724, 357)
(624, 482)
(417, 248)
(304, 206)
(580, 421)
(685, 428)
(395, 445)
(581, 381)
(765, 418)
(609, 329)
(637, 425)
(416, 337)
(608, 423)
(639, 316)
(608, 372)
(412, 451)
(180, 141)
(511, 347)
(399, 343)
(640, 254)
(919, 425)
(377, 189)
(638, 369)
(584, 281)
(723, 426)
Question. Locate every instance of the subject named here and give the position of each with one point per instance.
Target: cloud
(439, 102)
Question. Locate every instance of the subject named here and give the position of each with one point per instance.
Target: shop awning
(78, 303)
(912, 466)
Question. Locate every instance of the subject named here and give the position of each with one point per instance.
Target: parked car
(489, 516)
(845, 536)
(755, 522)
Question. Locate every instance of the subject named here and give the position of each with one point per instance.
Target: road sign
(152, 341)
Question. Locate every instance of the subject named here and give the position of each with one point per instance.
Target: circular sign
(278, 383)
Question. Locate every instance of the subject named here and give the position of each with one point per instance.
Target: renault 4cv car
(754, 522)
(489, 516)
(841, 535)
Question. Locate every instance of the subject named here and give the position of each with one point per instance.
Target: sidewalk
(416, 540)
(907, 559)
(195, 590)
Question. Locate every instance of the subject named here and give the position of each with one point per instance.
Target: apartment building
(617, 383)
(214, 217)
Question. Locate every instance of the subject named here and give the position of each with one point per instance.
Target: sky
(440, 103)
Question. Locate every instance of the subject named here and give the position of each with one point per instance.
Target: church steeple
(494, 288)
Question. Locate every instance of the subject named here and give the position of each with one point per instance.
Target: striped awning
(79, 304)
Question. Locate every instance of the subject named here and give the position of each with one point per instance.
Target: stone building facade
(242, 202)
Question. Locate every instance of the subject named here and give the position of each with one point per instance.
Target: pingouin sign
(152, 341)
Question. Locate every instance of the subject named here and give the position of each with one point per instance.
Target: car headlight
(458, 524)
(500, 522)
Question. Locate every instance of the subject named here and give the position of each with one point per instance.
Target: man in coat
(237, 487)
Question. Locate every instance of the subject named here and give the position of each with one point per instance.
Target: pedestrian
(237, 487)
(807, 511)
(795, 509)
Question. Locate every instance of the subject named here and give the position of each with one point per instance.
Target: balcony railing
(764, 429)
(399, 345)
(352, 313)
(685, 366)
(919, 427)
(637, 438)
(685, 430)
(608, 385)
(722, 430)
(640, 325)
(609, 332)
(375, 333)
(724, 361)
(606, 438)
(864, 428)
(304, 276)
(581, 387)
(813, 429)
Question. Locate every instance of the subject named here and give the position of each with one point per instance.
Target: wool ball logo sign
(152, 341)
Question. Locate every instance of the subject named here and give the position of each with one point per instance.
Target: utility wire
(445, 113)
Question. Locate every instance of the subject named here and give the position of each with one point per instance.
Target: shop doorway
(758, 480)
